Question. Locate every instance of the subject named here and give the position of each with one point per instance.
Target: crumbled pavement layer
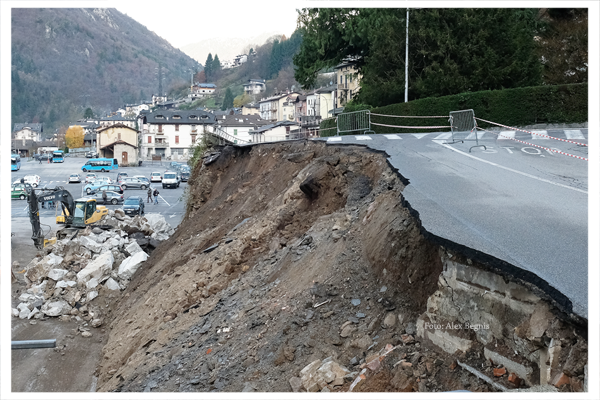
(299, 268)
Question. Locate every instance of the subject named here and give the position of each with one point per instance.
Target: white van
(170, 180)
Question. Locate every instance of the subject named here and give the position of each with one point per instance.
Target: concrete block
(98, 268)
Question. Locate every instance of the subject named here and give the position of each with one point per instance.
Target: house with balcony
(171, 133)
(118, 141)
(274, 132)
(348, 81)
(254, 86)
(200, 90)
(117, 119)
(277, 107)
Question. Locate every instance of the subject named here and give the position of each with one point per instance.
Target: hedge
(512, 107)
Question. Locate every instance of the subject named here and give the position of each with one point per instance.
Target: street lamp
(406, 63)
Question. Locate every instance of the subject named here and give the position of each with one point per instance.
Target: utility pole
(406, 63)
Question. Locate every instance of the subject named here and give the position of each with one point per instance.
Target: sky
(186, 22)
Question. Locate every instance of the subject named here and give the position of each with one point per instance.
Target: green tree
(88, 114)
(208, 65)
(450, 50)
(228, 100)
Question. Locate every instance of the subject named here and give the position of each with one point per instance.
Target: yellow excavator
(76, 214)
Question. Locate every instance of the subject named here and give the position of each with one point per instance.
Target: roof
(185, 117)
(243, 120)
(206, 85)
(118, 117)
(34, 127)
(116, 126)
(327, 89)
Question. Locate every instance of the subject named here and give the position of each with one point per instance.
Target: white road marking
(334, 139)
(392, 137)
(574, 134)
(446, 135)
(508, 169)
(163, 199)
(506, 135)
(363, 137)
(538, 137)
(420, 135)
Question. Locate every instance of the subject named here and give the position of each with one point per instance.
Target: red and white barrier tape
(535, 145)
(533, 133)
(411, 116)
(412, 127)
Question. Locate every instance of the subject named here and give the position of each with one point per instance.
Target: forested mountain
(66, 59)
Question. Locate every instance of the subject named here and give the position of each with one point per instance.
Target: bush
(512, 107)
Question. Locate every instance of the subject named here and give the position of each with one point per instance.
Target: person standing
(104, 196)
(40, 159)
(149, 195)
(156, 196)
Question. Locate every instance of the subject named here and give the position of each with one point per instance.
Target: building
(254, 86)
(251, 109)
(273, 109)
(325, 101)
(239, 126)
(200, 90)
(240, 59)
(117, 119)
(171, 133)
(118, 141)
(28, 131)
(348, 81)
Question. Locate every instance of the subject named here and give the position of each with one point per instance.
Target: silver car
(111, 197)
(134, 183)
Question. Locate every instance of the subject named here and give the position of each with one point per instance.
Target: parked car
(173, 165)
(90, 177)
(17, 191)
(96, 183)
(121, 175)
(112, 188)
(134, 183)
(33, 180)
(142, 178)
(74, 178)
(134, 205)
(170, 180)
(185, 175)
(112, 197)
(155, 177)
(91, 154)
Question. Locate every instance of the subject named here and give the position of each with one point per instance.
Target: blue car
(90, 187)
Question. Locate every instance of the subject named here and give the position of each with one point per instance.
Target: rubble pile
(65, 278)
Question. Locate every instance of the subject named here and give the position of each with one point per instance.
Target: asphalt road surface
(520, 203)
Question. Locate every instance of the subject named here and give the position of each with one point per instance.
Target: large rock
(111, 284)
(98, 268)
(57, 274)
(131, 264)
(56, 308)
(133, 248)
(91, 244)
(158, 223)
(38, 269)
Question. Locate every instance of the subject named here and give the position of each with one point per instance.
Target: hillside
(67, 59)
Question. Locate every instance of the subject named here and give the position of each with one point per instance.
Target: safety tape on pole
(412, 127)
(325, 129)
(411, 116)
(533, 133)
(535, 145)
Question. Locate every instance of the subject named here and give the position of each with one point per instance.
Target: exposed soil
(309, 237)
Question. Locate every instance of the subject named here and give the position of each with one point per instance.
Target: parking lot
(170, 201)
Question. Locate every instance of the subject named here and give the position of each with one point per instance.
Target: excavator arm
(56, 194)
(65, 198)
(34, 218)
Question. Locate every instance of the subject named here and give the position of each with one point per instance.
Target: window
(176, 127)
(235, 131)
(193, 139)
(149, 139)
(176, 139)
(160, 128)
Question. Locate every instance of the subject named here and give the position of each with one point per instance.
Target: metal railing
(355, 121)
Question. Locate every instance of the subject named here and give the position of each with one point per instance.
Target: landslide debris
(296, 268)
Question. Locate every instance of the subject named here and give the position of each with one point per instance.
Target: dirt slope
(290, 253)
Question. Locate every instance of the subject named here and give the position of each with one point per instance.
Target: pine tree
(228, 100)
(208, 66)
